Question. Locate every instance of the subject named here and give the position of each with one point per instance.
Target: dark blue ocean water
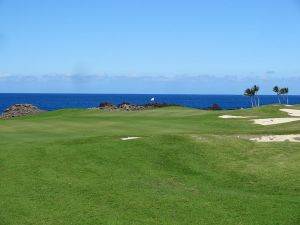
(60, 101)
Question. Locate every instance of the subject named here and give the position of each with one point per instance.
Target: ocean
(60, 101)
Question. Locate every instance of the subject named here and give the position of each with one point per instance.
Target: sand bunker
(292, 112)
(232, 117)
(273, 121)
(129, 138)
(270, 121)
(278, 138)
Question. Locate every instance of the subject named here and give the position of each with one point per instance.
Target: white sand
(278, 138)
(292, 112)
(273, 121)
(129, 138)
(232, 117)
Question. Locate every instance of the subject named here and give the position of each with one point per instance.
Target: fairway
(187, 167)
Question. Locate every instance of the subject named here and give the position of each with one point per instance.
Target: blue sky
(149, 46)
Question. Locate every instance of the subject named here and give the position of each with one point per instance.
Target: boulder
(105, 104)
(21, 110)
(126, 106)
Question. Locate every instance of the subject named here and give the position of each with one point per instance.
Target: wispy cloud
(104, 83)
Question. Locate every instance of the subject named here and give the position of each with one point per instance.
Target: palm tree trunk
(258, 103)
(283, 98)
(278, 99)
(287, 99)
(255, 104)
(251, 102)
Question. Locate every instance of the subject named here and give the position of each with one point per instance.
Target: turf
(189, 167)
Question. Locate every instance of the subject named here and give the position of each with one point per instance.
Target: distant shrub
(215, 107)
(105, 104)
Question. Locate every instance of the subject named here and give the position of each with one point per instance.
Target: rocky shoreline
(29, 109)
(18, 110)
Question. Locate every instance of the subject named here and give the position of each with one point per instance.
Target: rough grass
(70, 167)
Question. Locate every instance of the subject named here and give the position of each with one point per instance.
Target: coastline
(61, 101)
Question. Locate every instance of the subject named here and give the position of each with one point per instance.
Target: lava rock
(125, 106)
(21, 110)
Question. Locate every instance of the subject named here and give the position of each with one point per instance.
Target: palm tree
(255, 89)
(284, 92)
(287, 95)
(277, 90)
(250, 93)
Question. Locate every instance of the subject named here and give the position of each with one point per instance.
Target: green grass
(70, 167)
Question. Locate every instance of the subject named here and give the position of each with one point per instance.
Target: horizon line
(66, 93)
